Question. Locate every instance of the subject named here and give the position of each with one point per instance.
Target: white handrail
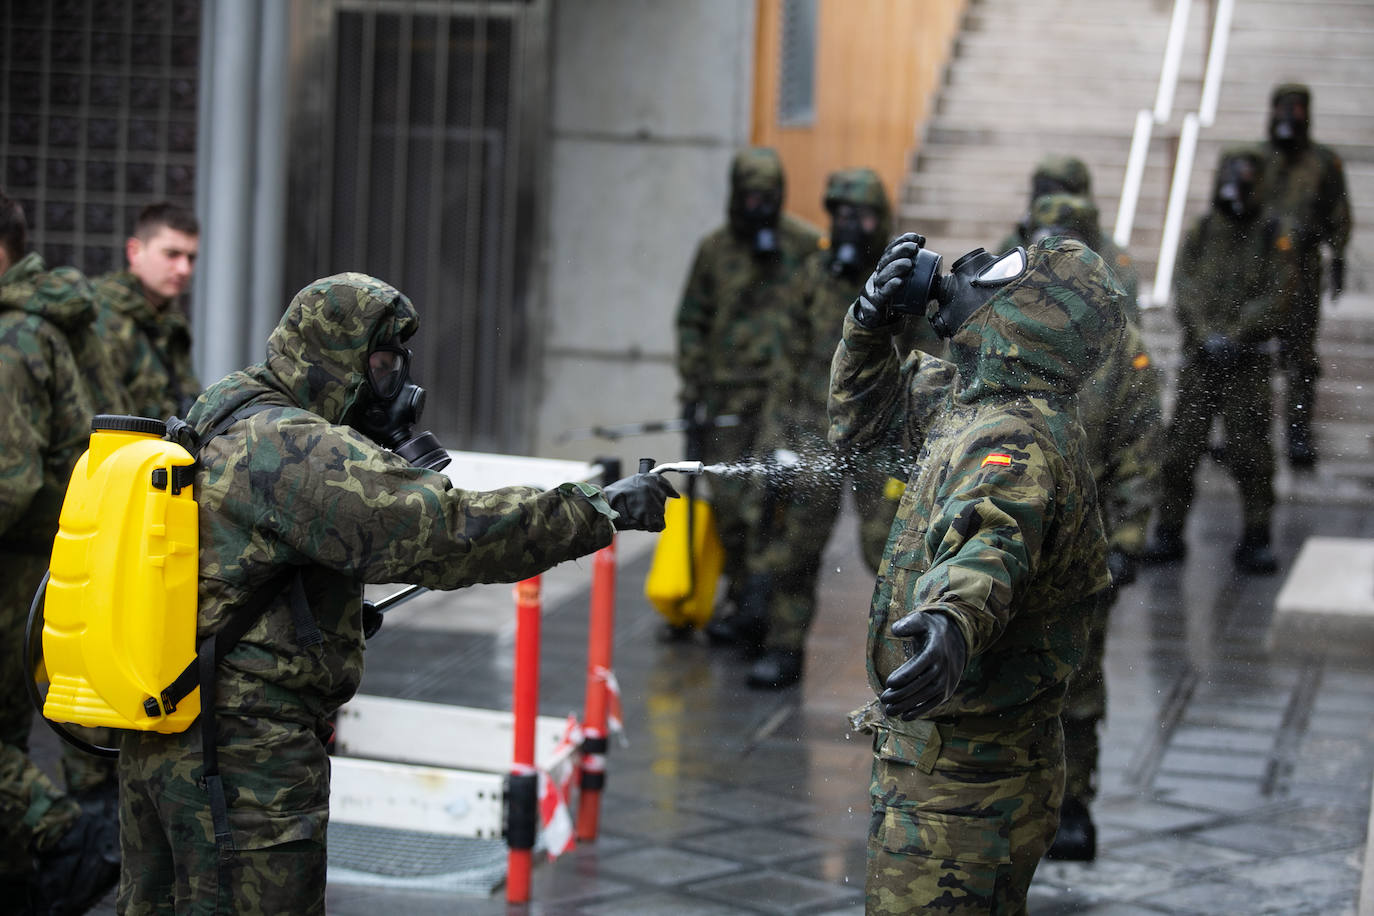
(1173, 57)
(1135, 172)
(1187, 148)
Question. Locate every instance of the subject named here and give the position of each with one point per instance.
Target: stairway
(1068, 76)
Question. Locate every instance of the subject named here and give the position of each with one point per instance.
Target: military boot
(80, 868)
(747, 626)
(1166, 545)
(775, 669)
(1254, 555)
(1076, 840)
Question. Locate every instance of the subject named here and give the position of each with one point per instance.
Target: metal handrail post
(1173, 218)
(1135, 173)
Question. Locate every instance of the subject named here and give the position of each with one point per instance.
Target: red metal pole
(523, 824)
(600, 638)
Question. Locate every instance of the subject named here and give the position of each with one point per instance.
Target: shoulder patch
(1283, 243)
(1140, 361)
(1001, 458)
(1123, 260)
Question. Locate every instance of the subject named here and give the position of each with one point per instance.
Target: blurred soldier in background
(140, 318)
(805, 476)
(1304, 184)
(1120, 411)
(58, 854)
(1069, 175)
(981, 609)
(732, 326)
(1232, 286)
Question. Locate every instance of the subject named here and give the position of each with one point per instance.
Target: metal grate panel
(382, 857)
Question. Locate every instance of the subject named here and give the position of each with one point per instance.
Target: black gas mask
(391, 406)
(853, 239)
(1236, 194)
(973, 280)
(1288, 122)
(754, 215)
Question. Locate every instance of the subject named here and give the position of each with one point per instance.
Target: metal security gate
(414, 158)
(97, 118)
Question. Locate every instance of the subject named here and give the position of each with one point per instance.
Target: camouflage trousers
(1242, 398)
(276, 782)
(876, 497)
(736, 498)
(34, 813)
(1085, 706)
(793, 537)
(961, 815)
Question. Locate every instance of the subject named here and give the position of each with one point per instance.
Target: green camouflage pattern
(1233, 278)
(1078, 216)
(45, 424)
(1307, 190)
(150, 348)
(290, 488)
(1069, 171)
(999, 528)
(734, 323)
(1119, 407)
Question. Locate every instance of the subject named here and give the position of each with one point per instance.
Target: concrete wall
(648, 103)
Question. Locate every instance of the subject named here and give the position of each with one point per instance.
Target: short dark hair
(14, 227)
(164, 213)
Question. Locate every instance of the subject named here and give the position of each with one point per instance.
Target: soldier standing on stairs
(1304, 183)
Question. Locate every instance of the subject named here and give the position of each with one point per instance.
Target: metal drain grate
(383, 857)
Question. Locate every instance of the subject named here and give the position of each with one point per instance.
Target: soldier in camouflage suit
(52, 376)
(732, 327)
(290, 488)
(1232, 287)
(1119, 408)
(1057, 174)
(988, 583)
(140, 319)
(806, 495)
(1304, 183)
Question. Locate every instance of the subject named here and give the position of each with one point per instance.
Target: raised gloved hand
(1122, 567)
(639, 500)
(871, 308)
(930, 676)
(1337, 277)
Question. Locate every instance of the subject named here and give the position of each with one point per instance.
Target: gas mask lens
(388, 367)
(1002, 271)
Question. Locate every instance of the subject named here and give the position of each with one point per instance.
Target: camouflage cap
(318, 351)
(1072, 215)
(1286, 89)
(1046, 332)
(1068, 171)
(756, 169)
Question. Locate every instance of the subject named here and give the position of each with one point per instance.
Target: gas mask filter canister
(973, 280)
(392, 407)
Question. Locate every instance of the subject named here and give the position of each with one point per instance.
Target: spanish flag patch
(996, 458)
(1141, 361)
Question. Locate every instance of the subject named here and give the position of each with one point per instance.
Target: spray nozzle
(647, 466)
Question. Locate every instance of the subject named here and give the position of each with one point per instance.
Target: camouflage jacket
(999, 527)
(1120, 410)
(1233, 278)
(735, 318)
(1308, 192)
(150, 348)
(1117, 258)
(290, 488)
(53, 379)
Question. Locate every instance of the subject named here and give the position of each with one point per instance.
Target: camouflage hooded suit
(290, 488)
(733, 324)
(999, 529)
(53, 378)
(150, 348)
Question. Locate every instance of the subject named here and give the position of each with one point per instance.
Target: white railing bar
(1173, 57)
(1216, 62)
(1135, 172)
(1173, 219)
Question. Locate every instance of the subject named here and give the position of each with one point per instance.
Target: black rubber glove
(930, 676)
(639, 500)
(871, 308)
(694, 435)
(1337, 277)
(1122, 567)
